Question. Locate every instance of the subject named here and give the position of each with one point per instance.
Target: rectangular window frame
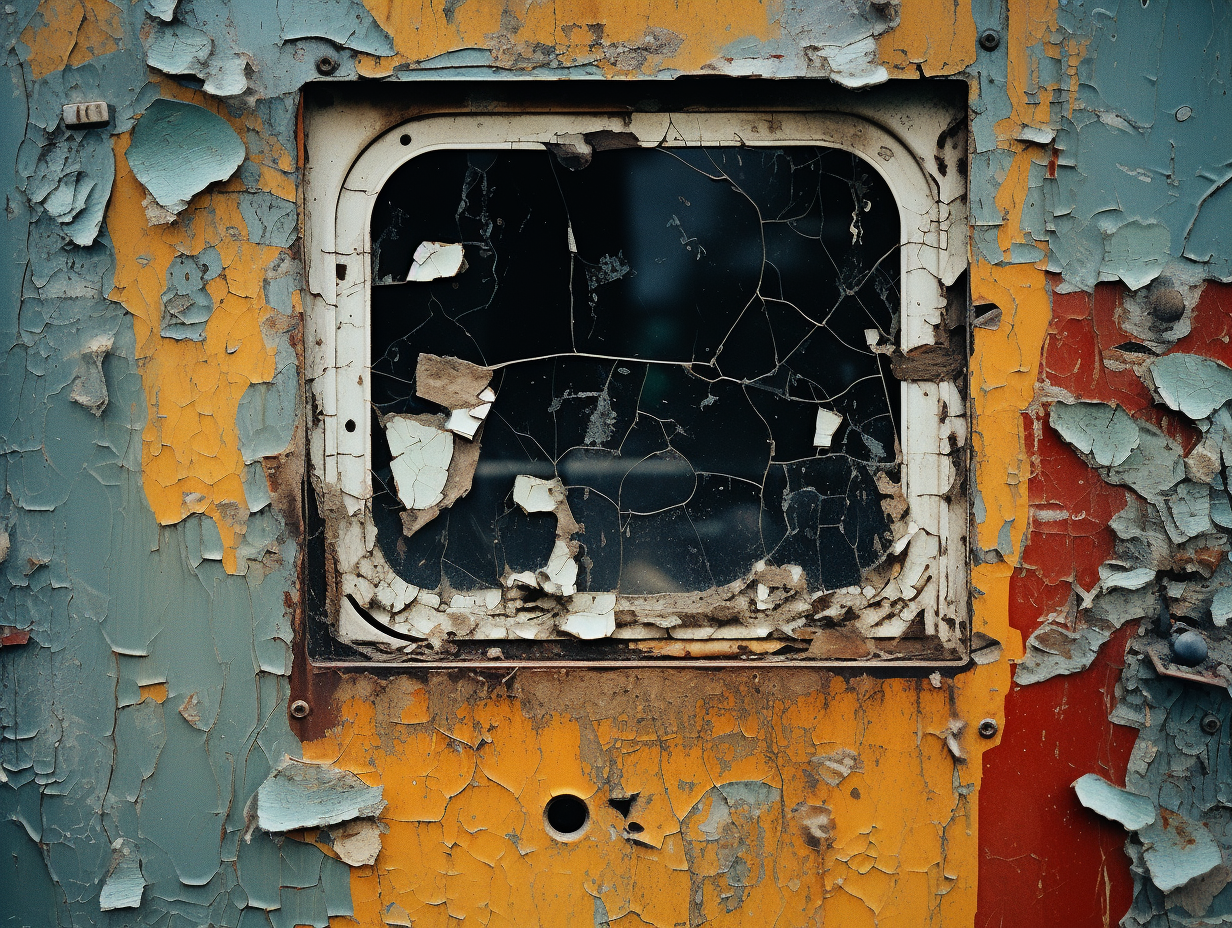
(351, 158)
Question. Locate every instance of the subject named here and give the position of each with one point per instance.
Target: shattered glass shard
(677, 338)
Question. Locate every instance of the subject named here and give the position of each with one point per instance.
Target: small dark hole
(567, 815)
(350, 425)
(404, 139)
(634, 828)
(1133, 348)
(623, 806)
(340, 271)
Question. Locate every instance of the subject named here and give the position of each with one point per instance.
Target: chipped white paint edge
(346, 173)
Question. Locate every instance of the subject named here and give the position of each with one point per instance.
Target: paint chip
(421, 456)
(1113, 803)
(827, 424)
(1190, 384)
(536, 495)
(125, 884)
(434, 260)
(89, 383)
(299, 794)
(1178, 850)
(1105, 432)
(178, 149)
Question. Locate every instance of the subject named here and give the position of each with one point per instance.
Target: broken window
(668, 386)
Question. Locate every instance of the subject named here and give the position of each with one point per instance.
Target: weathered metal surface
(151, 532)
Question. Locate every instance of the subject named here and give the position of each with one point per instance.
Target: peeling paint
(156, 529)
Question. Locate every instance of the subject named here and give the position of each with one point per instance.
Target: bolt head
(1189, 649)
(1167, 305)
(327, 64)
(990, 40)
(1211, 723)
(300, 709)
(988, 728)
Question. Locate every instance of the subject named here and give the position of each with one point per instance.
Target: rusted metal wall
(153, 448)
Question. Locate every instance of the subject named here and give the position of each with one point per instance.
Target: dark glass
(665, 323)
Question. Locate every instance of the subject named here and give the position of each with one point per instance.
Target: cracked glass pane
(694, 341)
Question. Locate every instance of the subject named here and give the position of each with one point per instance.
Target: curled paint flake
(1191, 384)
(178, 149)
(298, 794)
(1107, 433)
(1113, 803)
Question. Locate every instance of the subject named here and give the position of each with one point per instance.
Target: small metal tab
(86, 115)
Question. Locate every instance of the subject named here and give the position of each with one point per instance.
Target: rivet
(1211, 723)
(327, 64)
(1167, 305)
(300, 709)
(1184, 113)
(1189, 649)
(990, 40)
(988, 728)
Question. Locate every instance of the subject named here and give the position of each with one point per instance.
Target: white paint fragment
(461, 422)
(596, 617)
(559, 577)
(434, 260)
(356, 843)
(534, 494)
(828, 422)
(1113, 803)
(421, 456)
(1134, 579)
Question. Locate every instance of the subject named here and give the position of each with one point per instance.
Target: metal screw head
(1183, 113)
(1211, 723)
(990, 40)
(300, 709)
(1167, 304)
(1189, 648)
(988, 728)
(327, 64)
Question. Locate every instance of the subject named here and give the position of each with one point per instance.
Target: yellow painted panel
(191, 461)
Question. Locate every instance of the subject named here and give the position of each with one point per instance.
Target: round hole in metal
(566, 816)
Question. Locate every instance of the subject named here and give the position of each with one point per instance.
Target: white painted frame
(351, 158)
